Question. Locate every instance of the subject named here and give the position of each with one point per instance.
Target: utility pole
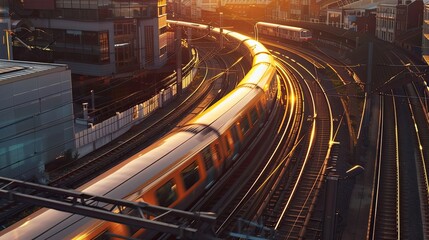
(179, 59)
(221, 30)
(369, 68)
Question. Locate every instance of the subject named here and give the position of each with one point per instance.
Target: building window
(124, 53)
(104, 47)
(149, 44)
(81, 46)
(90, 38)
(125, 28)
(73, 36)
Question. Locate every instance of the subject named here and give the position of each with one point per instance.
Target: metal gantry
(104, 208)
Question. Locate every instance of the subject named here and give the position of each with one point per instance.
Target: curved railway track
(286, 202)
(240, 190)
(268, 177)
(303, 216)
(292, 216)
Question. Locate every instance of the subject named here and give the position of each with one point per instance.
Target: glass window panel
(207, 156)
(190, 175)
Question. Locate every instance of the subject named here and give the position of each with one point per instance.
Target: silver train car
(178, 168)
(296, 34)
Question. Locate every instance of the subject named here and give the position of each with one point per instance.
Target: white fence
(102, 133)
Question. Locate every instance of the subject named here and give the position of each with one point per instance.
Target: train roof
(233, 102)
(122, 181)
(259, 76)
(281, 26)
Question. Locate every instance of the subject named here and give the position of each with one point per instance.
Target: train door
(209, 166)
(254, 118)
(262, 114)
(270, 97)
(167, 194)
(236, 141)
(193, 182)
(218, 158)
(245, 129)
(228, 145)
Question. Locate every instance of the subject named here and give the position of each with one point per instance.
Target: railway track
(421, 125)
(399, 208)
(238, 191)
(400, 197)
(274, 168)
(385, 215)
(294, 220)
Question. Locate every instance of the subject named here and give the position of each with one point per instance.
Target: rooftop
(11, 70)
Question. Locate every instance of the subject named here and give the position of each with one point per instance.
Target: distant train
(283, 32)
(178, 168)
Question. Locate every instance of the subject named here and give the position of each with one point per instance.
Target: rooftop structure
(37, 117)
(95, 38)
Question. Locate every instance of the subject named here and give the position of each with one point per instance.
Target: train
(278, 31)
(176, 169)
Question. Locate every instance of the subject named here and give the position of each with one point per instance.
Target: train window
(207, 156)
(234, 135)
(190, 175)
(167, 194)
(254, 115)
(228, 143)
(245, 125)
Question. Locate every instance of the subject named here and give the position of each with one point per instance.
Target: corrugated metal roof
(11, 70)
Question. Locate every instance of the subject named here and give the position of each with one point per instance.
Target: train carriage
(175, 170)
(279, 31)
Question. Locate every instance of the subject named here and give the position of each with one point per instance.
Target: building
(5, 50)
(386, 22)
(359, 18)
(208, 10)
(303, 10)
(334, 17)
(239, 11)
(409, 16)
(94, 38)
(299, 9)
(394, 20)
(37, 117)
(366, 22)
